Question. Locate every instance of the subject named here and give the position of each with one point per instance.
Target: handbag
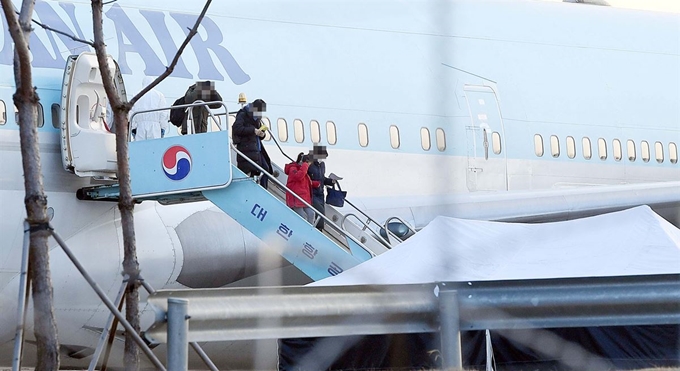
(336, 197)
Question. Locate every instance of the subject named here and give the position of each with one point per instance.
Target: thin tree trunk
(125, 201)
(26, 100)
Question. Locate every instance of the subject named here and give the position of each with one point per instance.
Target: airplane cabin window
(587, 150)
(282, 129)
(538, 145)
(571, 147)
(496, 142)
(268, 124)
(331, 134)
(40, 118)
(425, 139)
(55, 110)
(644, 149)
(630, 148)
(554, 146)
(3, 113)
(602, 149)
(440, 136)
(616, 147)
(394, 136)
(299, 129)
(658, 151)
(363, 134)
(673, 153)
(315, 131)
(41, 115)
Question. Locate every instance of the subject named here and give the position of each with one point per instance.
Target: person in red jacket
(300, 183)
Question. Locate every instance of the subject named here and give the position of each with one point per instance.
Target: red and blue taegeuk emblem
(176, 163)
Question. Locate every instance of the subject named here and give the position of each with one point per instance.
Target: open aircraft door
(485, 138)
(88, 143)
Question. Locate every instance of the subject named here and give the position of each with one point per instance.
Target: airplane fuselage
(417, 106)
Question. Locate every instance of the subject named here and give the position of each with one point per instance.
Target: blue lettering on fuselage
(130, 41)
(137, 43)
(6, 55)
(163, 36)
(52, 57)
(212, 42)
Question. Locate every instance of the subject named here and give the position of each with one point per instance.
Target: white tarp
(631, 242)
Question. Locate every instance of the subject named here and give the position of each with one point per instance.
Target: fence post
(178, 329)
(449, 331)
(22, 302)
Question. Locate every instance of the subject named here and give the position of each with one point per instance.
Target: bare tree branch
(125, 201)
(26, 100)
(168, 70)
(72, 37)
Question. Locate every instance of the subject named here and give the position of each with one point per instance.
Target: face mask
(321, 160)
(257, 115)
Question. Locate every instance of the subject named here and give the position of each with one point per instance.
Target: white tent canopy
(631, 242)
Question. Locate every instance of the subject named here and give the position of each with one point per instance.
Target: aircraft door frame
(88, 145)
(486, 169)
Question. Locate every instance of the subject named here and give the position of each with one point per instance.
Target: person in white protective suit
(150, 125)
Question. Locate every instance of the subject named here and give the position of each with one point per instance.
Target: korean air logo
(176, 163)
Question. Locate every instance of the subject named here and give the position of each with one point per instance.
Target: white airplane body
(499, 110)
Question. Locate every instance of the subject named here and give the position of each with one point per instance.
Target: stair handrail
(376, 235)
(366, 225)
(190, 106)
(387, 222)
(363, 213)
(316, 212)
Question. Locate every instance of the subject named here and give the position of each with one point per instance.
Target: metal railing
(189, 112)
(114, 308)
(21, 303)
(317, 213)
(366, 225)
(402, 221)
(102, 296)
(447, 307)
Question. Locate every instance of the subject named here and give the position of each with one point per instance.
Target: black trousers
(251, 170)
(319, 204)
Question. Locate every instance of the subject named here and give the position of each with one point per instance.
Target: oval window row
(41, 115)
(282, 133)
(645, 149)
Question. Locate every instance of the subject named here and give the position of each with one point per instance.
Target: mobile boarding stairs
(199, 167)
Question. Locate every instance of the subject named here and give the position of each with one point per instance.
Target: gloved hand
(259, 133)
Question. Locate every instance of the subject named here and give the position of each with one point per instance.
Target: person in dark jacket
(300, 183)
(317, 172)
(203, 91)
(247, 136)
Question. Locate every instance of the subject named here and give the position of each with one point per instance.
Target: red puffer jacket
(300, 183)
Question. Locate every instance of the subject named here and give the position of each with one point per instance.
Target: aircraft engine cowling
(218, 251)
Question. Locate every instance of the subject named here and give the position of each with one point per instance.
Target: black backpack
(177, 114)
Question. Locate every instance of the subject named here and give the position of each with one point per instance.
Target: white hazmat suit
(150, 124)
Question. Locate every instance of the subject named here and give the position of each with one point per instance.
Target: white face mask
(321, 160)
(257, 115)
